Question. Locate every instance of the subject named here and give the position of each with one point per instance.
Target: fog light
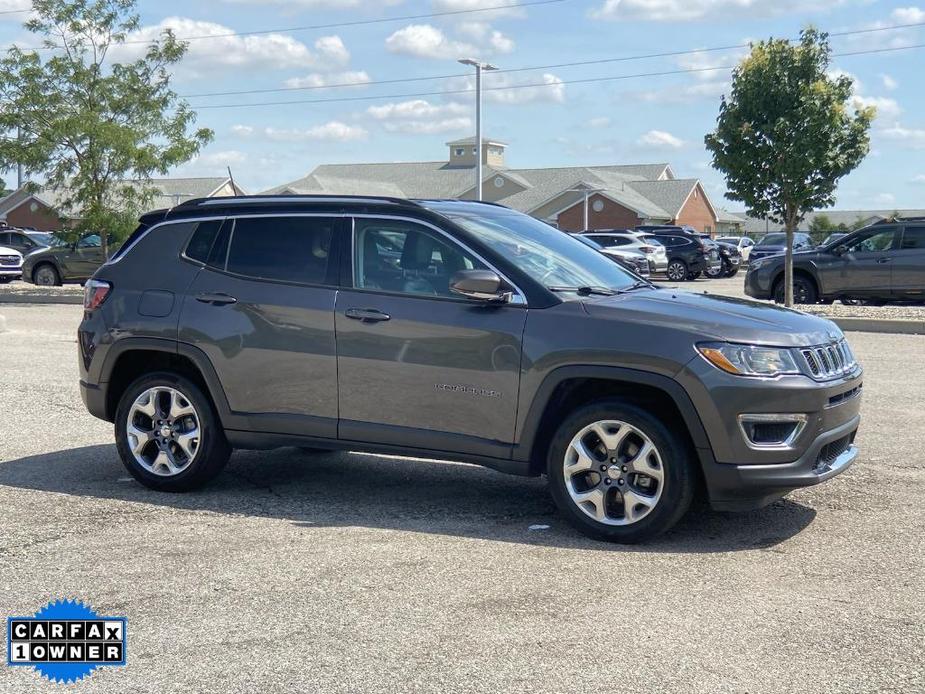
(771, 430)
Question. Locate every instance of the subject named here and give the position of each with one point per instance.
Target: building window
(598, 205)
(475, 150)
(499, 181)
(460, 151)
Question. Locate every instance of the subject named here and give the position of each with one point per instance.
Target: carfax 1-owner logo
(65, 641)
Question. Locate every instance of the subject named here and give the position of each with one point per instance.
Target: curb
(41, 299)
(887, 326)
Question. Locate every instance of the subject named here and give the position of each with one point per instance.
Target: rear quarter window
(287, 249)
(202, 240)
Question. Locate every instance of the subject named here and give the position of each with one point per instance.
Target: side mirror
(839, 250)
(479, 285)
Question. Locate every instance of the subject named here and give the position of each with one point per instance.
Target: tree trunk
(790, 227)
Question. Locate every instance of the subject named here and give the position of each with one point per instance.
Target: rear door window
(286, 249)
(913, 239)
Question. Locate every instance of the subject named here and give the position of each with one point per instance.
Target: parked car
(743, 243)
(882, 262)
(675, 228)
(68, 262)
(731, 260)
(258, 322)
(688, 254)
(833, 237)
(773, 244)
(653, 249)
(20, 240)
(632, 260)
(10, 264)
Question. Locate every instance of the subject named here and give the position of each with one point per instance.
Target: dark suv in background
(64, 262)
(776, 244)
(689, 255)
(456, 330)
(879, 263)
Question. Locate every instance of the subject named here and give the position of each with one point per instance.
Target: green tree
(787, 133)
(96, 129)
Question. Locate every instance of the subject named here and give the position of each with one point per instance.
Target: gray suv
(462, 331)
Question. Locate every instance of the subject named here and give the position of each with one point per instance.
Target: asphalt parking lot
(348, 572)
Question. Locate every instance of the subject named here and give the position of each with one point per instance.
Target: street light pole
(479, 66)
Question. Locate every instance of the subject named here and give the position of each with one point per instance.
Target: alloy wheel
(613, 472)
(676, 271)
(163, 431)
(46, 276)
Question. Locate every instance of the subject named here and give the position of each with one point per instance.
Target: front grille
(830, 452)
(9, 260)
(829, 361)
(847, 395)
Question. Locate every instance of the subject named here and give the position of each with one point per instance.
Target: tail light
(647, 249)
(95, 293)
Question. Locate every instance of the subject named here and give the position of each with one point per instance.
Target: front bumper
(13, 272)
(658, 264)
(746, 487)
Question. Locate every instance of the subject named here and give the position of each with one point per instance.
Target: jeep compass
(455, 330)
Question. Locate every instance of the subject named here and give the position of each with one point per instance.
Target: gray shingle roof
(637, 186)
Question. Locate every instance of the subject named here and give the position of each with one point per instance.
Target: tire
(677, 270)
(5, 280)
(732, 272)
(670, 498)
(691, 276)
(46, 275)
(804, 291)
(721, 272)
(209, 450)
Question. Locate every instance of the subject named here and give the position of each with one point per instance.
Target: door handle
(883, 260)
(216, 299)
(367, 315)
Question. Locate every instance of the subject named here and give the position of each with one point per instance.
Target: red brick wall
(43, 219)
(696, 212)
(613, 216)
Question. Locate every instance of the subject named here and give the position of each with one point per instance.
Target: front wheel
(168, 435)
(677, 271)
(45, 275)
(718, 272)
(804, 291)
(618, 473)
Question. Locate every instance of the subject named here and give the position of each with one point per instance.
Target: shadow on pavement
(361, 490)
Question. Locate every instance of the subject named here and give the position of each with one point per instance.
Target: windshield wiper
(639, 284)
(584, 291)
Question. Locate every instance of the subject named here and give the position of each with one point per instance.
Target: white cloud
(427, 41)
(887, 108)
(313, 4)
(896, 38)
(212, 163)
(599, 122)
(419, 116)
(910, 137)
(660, 139)
(885, 199)
(468, 5)
(687, 10)
(684, 93)
(333, 131)
(888, 82)
(318, 79)
(240, 52)
(12, 11)
(501, 88)
(918, 179)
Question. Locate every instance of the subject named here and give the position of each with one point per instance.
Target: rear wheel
(617, 473)
(677, 270)
(717, 272)
(694, 275)
(804, 291)
(168, 435)
(46, 275)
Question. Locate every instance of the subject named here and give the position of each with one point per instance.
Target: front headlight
(749, 360)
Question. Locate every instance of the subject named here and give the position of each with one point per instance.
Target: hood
(709, 317)
(9, 251)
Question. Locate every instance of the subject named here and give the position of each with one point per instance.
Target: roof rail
(480, 202)
(246, 199)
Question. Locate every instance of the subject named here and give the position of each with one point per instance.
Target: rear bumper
(94, 398)
(745, 487)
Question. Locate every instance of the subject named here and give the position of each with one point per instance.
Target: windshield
(551, 257)
(773, 240)
(43, 237)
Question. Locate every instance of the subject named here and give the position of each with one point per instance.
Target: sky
(551, 118)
